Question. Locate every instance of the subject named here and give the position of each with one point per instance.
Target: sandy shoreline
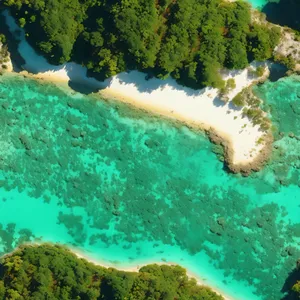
(197, 108)
(200, 109)
(135, 268)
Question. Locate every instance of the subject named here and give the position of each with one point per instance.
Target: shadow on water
(82, 88)
(25, 58)
(284, 12)
(12, 43)
(152, 84)
(293, 277)
(218, 102)
(277, 71)
(79, 81)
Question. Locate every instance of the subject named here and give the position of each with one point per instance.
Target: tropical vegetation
(191, 40)
(53, 272)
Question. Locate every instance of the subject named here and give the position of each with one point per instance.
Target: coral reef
(122, 176)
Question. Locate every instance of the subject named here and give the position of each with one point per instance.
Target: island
(197, 67)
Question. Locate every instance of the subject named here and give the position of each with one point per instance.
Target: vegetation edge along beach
(250, 158)
(214, 137)
(39, 271)
(36, 271)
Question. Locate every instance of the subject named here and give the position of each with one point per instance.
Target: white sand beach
(135, 268)
(199, 108)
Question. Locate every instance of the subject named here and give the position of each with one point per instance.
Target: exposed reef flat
(255, 165)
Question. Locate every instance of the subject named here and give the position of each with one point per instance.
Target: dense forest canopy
(52, 272)
(189, 39)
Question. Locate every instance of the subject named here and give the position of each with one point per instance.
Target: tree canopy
(53, 272)
(190, 40)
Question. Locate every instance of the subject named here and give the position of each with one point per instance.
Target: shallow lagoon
(129, 188)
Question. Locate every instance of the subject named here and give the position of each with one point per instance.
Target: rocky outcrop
(244, 169)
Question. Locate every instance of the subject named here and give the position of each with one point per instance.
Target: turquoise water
(129, 188)
(258, 3)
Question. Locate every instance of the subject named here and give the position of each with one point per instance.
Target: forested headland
(53, 272)
(191, 40)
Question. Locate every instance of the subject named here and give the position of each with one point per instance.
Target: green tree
(191, 40)
(53, 272)
(22, 22)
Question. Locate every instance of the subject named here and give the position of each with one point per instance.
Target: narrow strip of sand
(133, 268)
(136, 268)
